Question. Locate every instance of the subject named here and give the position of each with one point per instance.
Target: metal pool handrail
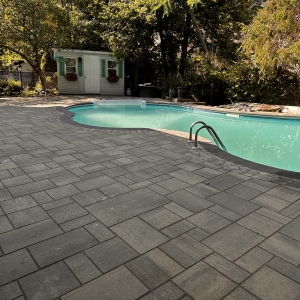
(210, 130)
(191, 128)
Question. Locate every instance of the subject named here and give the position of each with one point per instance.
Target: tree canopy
(273, 38)
(30, 28)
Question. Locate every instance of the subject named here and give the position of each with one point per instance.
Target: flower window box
(71, 76)
(112, 78)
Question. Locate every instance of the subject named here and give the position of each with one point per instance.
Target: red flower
(112, 78)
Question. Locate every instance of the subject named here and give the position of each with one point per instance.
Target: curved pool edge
(206, 144)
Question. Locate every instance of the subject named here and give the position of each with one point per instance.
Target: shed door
(92, 74)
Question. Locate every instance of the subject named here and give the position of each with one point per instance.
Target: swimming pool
(269, 141)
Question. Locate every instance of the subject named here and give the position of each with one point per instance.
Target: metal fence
(27, 78)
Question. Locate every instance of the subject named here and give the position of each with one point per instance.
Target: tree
(273, 38)
(168, 6)
(216, 23)
(30, 28)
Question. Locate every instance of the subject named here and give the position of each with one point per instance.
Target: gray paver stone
(173, 184)
(10, 291)
(168, 291)
(198, 234)
(177, 228)
(240, 294)
(227, 268)
(49, 283)
(28, 216)
(284, 193)
(16, 204)
(209, 221)
(285, 268)
(62, 246)
(99, 231)
(243, 192)
(284, 247)
(187, 176)
(82, 267)
(225, 181)
(179, 210)
(78, 222)
(93, 183)
(233, 203)
(16, 265)
(292, 229)
(233, 241)
(57, 203)
(260, 224)
(273, 215)
(202, 282)
(228, 214)
(66, 212)
(63, 191)
(30, 188)
(31, 234)
(118, 284)
(139, 235)
(189, 200)
(5, 225)
(110, 254)
(185, 250)
(115, 189)
(89, 197)
(123, 207)
(154, 268)
(18, 180)
(160, 217)
(203, 190)
(268, 284)
(254, 259)
(270, 202)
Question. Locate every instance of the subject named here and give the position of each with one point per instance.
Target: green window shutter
(120, 69)
(103, 69)
(79, 66)
(61, 62)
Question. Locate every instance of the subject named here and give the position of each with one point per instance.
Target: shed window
(111, 67)
(70, 65)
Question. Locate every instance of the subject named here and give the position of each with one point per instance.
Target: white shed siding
(70, 87)
(78, 87)
(108, 88)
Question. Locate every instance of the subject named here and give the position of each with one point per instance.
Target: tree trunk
(184, 47)
(198, 31)
(42, 77)
(163, 46)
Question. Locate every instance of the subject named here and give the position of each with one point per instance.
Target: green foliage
(10, 87)
(210, 82)
(174, 80)
(30, 28)
(273, 38)
(244, 84)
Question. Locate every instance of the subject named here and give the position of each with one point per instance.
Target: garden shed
(89, 72)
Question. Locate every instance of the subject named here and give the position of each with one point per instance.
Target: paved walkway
(89, 213)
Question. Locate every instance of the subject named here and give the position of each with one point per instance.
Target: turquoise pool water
(266, 140)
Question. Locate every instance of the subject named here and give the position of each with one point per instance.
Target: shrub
(245, 84)
(10, 87)
(209, 85)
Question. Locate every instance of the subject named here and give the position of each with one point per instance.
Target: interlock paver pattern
(92, 213)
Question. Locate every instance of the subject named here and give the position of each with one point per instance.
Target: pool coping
(206, 144)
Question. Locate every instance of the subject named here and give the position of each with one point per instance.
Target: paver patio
(90, 213)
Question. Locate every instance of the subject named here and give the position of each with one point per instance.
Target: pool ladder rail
(210, 130)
